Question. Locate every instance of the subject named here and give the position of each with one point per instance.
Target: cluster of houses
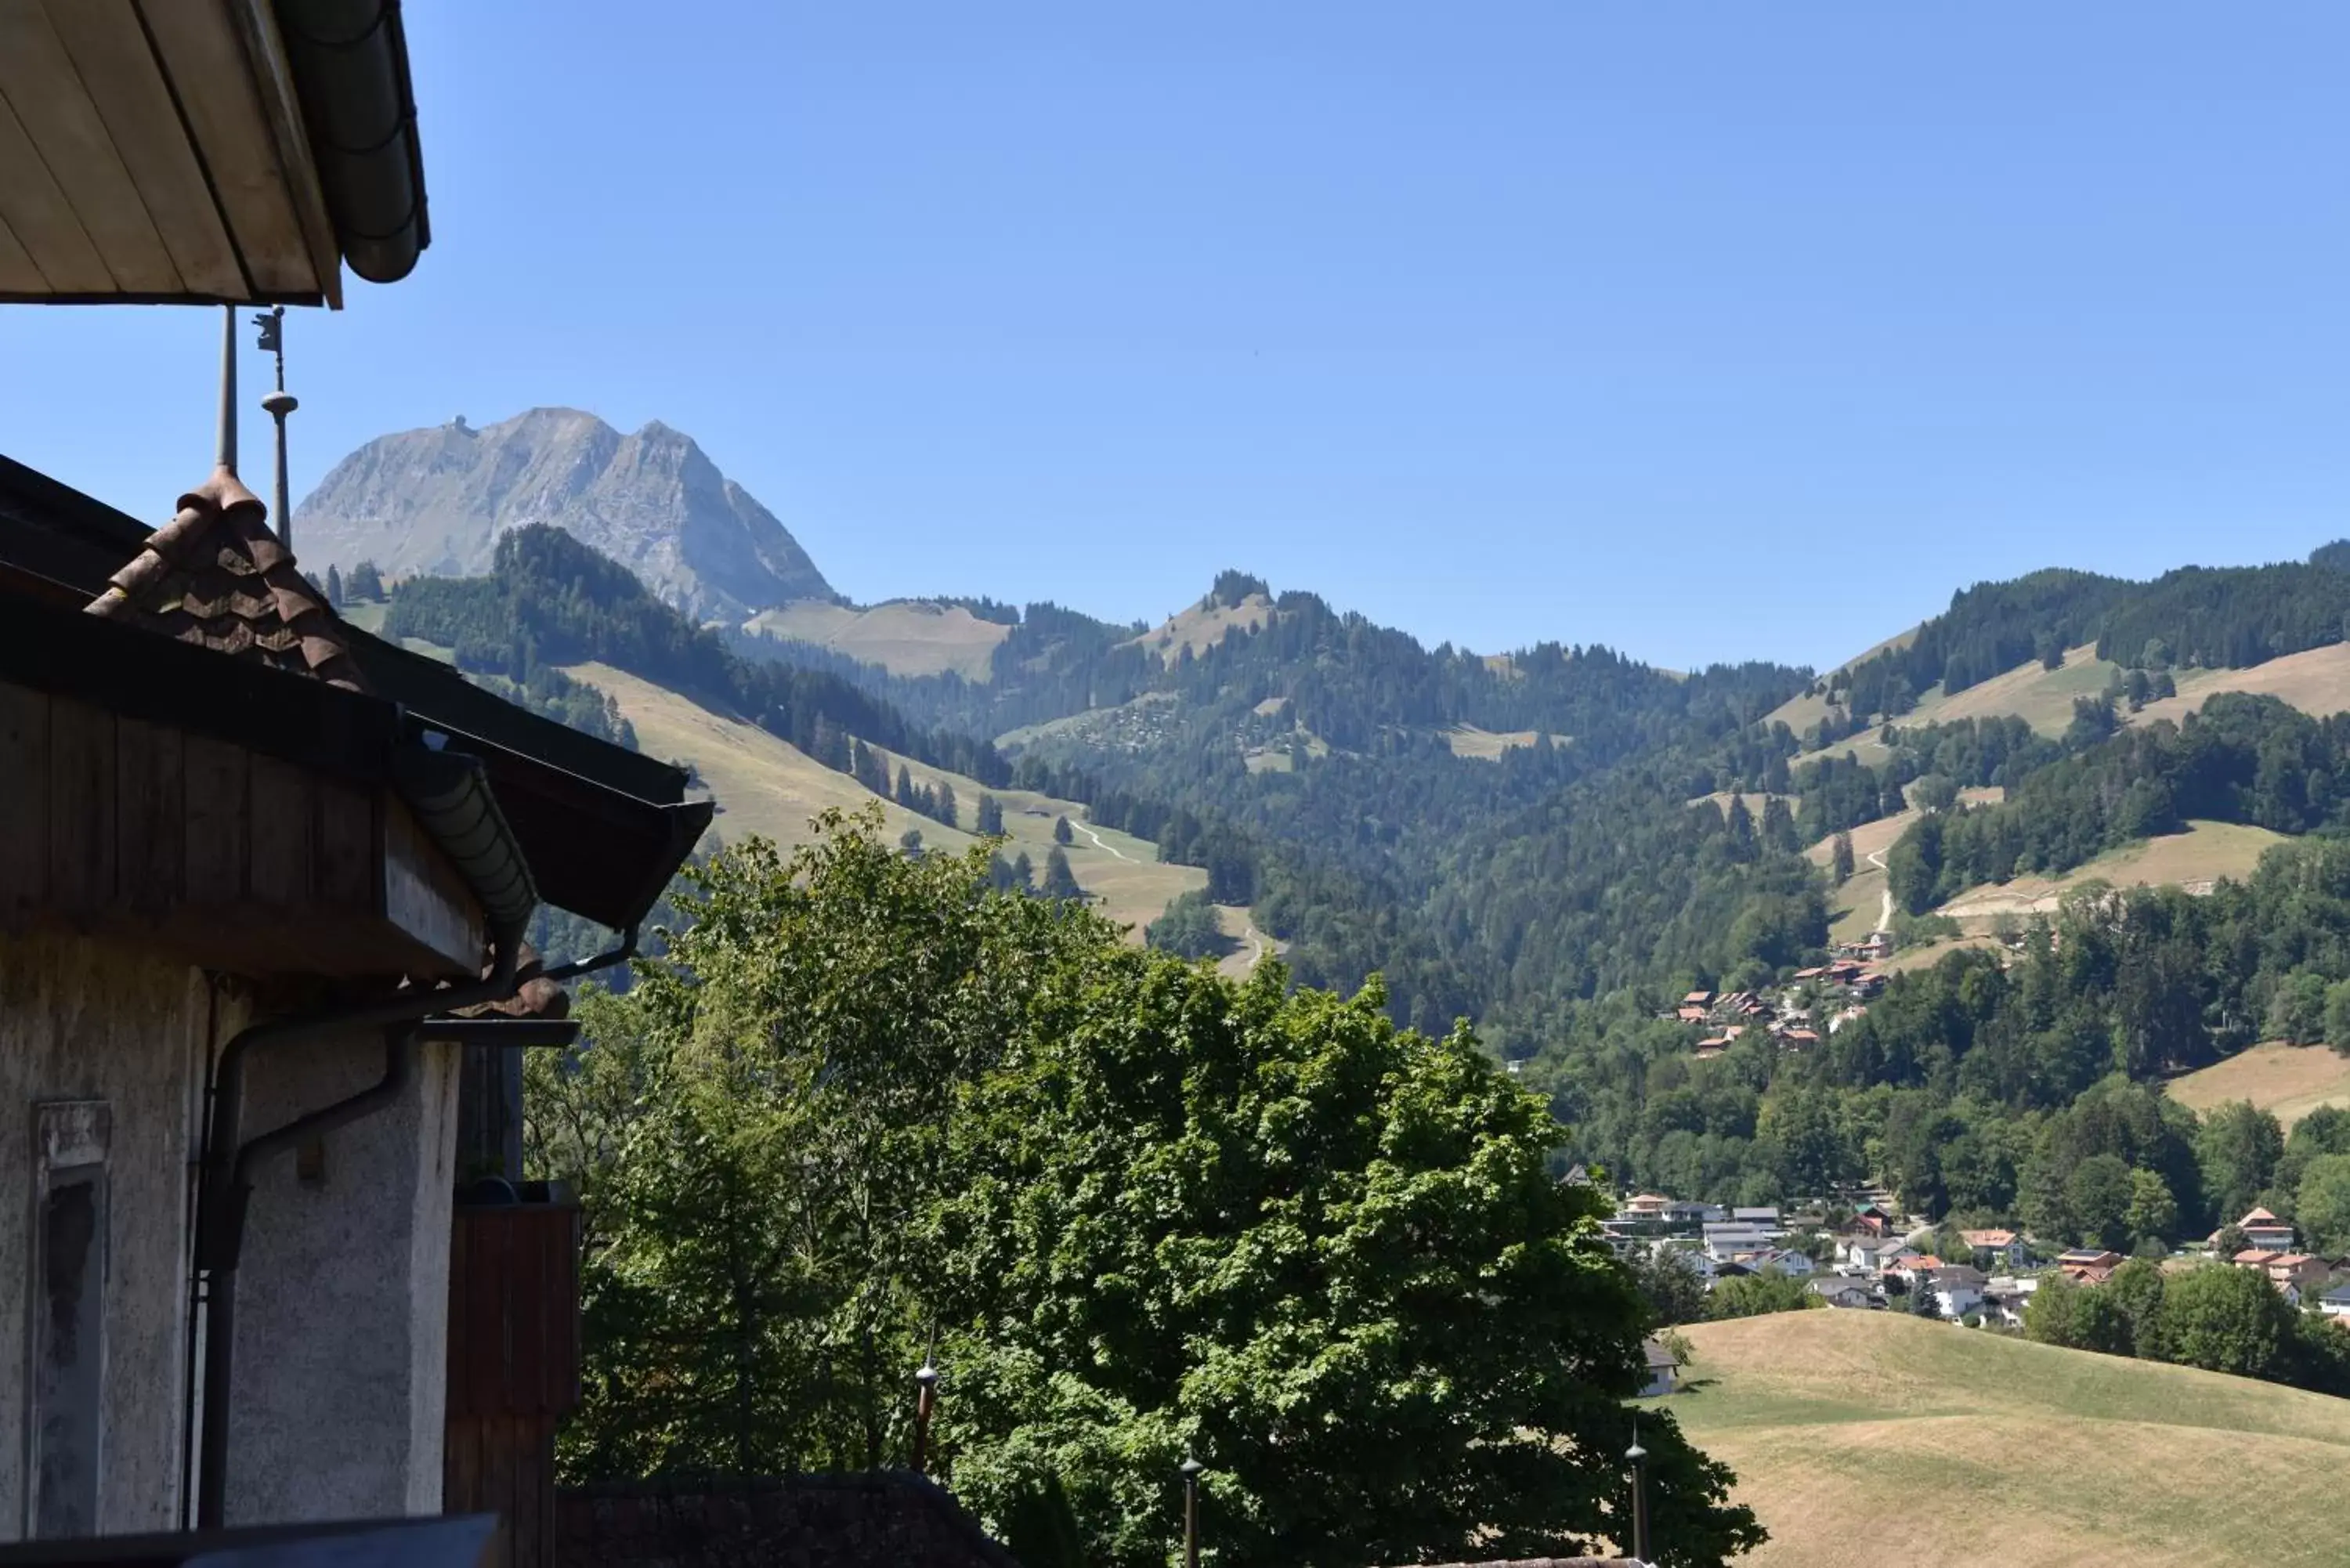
(1864, 1257)
(1825, 997)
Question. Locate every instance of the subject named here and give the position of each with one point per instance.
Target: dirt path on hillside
(1113, 848)
(1884, 910)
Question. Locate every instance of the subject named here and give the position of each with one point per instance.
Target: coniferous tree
(990, 820)
(1060, 882)
(1061, 833)
(334, 587)
(366, 582)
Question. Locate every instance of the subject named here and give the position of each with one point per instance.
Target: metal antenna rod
(280, 404)
(227, 455)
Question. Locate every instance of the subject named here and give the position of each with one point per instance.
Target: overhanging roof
(205, 152)
(602, 829)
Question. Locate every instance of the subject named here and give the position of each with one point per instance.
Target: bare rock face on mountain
(433, 501)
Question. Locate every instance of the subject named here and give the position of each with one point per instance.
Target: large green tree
(865, 1100)
(1323, 1254)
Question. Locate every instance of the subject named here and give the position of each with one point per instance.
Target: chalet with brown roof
(1799, 1039)
(1690, 1014)
(2296, 1275)
(269, 877)
(1698, 999)
(2264, 1231)
(2088, 1265)
(1994, 1249)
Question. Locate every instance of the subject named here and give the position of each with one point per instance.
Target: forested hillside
(2195, 617)
(1642, 833)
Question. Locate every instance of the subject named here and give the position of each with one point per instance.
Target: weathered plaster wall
(343, 1296)
(85, 1020)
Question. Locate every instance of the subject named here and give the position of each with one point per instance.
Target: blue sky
(1706, 331)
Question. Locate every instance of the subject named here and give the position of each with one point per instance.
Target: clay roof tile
(216, 576)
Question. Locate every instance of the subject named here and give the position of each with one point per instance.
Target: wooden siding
(513, 1368)
(238, 861)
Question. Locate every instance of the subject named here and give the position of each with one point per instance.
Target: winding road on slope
(1255, 937)
(1113, 848)
(1884, 910)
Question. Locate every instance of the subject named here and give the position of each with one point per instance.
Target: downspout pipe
(229, 1163)
(229, 1166)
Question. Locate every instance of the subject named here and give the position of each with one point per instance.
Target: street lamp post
(1191, 1469)
(926, 1383)
(1639, 1459)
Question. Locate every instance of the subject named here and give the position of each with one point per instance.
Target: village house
(2264, 1231)
(1837, 1291)
(2005, 1297)
(2293, 1274)
(1870, 1253)
(1664, 1369)
(1995, 1249)
(1958, 1287)
(1648, 1207)
(2088, 1265)
(2335, 1303)
(253, 846)
(263, 885)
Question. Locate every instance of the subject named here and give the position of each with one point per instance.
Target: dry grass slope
(2289, 1080)
(766, 785)
(2193, 859)
(1866, 1437)
(1203, 626)
(910, 636)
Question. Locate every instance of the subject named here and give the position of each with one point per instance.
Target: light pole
(926, 1383)
(280, 404)
(1191, 1469)
(1638, 1458)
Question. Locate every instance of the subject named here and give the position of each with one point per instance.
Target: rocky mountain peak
(434, 501)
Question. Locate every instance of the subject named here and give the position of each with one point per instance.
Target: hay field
(2289, 1080)
(1203, 626)
(906, 637)
(1863, 1437)
(2193, 859)
(2317, 683)
(1469, 740)
(766, 786)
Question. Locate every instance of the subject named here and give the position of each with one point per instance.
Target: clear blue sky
(1706, 331)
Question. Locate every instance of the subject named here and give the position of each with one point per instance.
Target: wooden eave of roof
(154, 152)
(595, 851)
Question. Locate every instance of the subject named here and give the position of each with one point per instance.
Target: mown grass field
(908, 637)
(766, 785)
(1469, 740)
(2204, 852)
(2289, 1080)
(2316, 681)
(1862, 1438)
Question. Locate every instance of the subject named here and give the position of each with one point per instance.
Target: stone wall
(805, 1521)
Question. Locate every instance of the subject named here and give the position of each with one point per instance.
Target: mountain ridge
(434, 501)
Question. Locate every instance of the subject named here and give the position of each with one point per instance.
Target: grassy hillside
(1204, 625)
(1469, 740)
(1867, 1437)
(2290, 1080)
(2193, 859)
(766, 785)
(908, 637)
(2317, 683)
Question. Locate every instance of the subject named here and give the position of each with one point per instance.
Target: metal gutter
(349, 63)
